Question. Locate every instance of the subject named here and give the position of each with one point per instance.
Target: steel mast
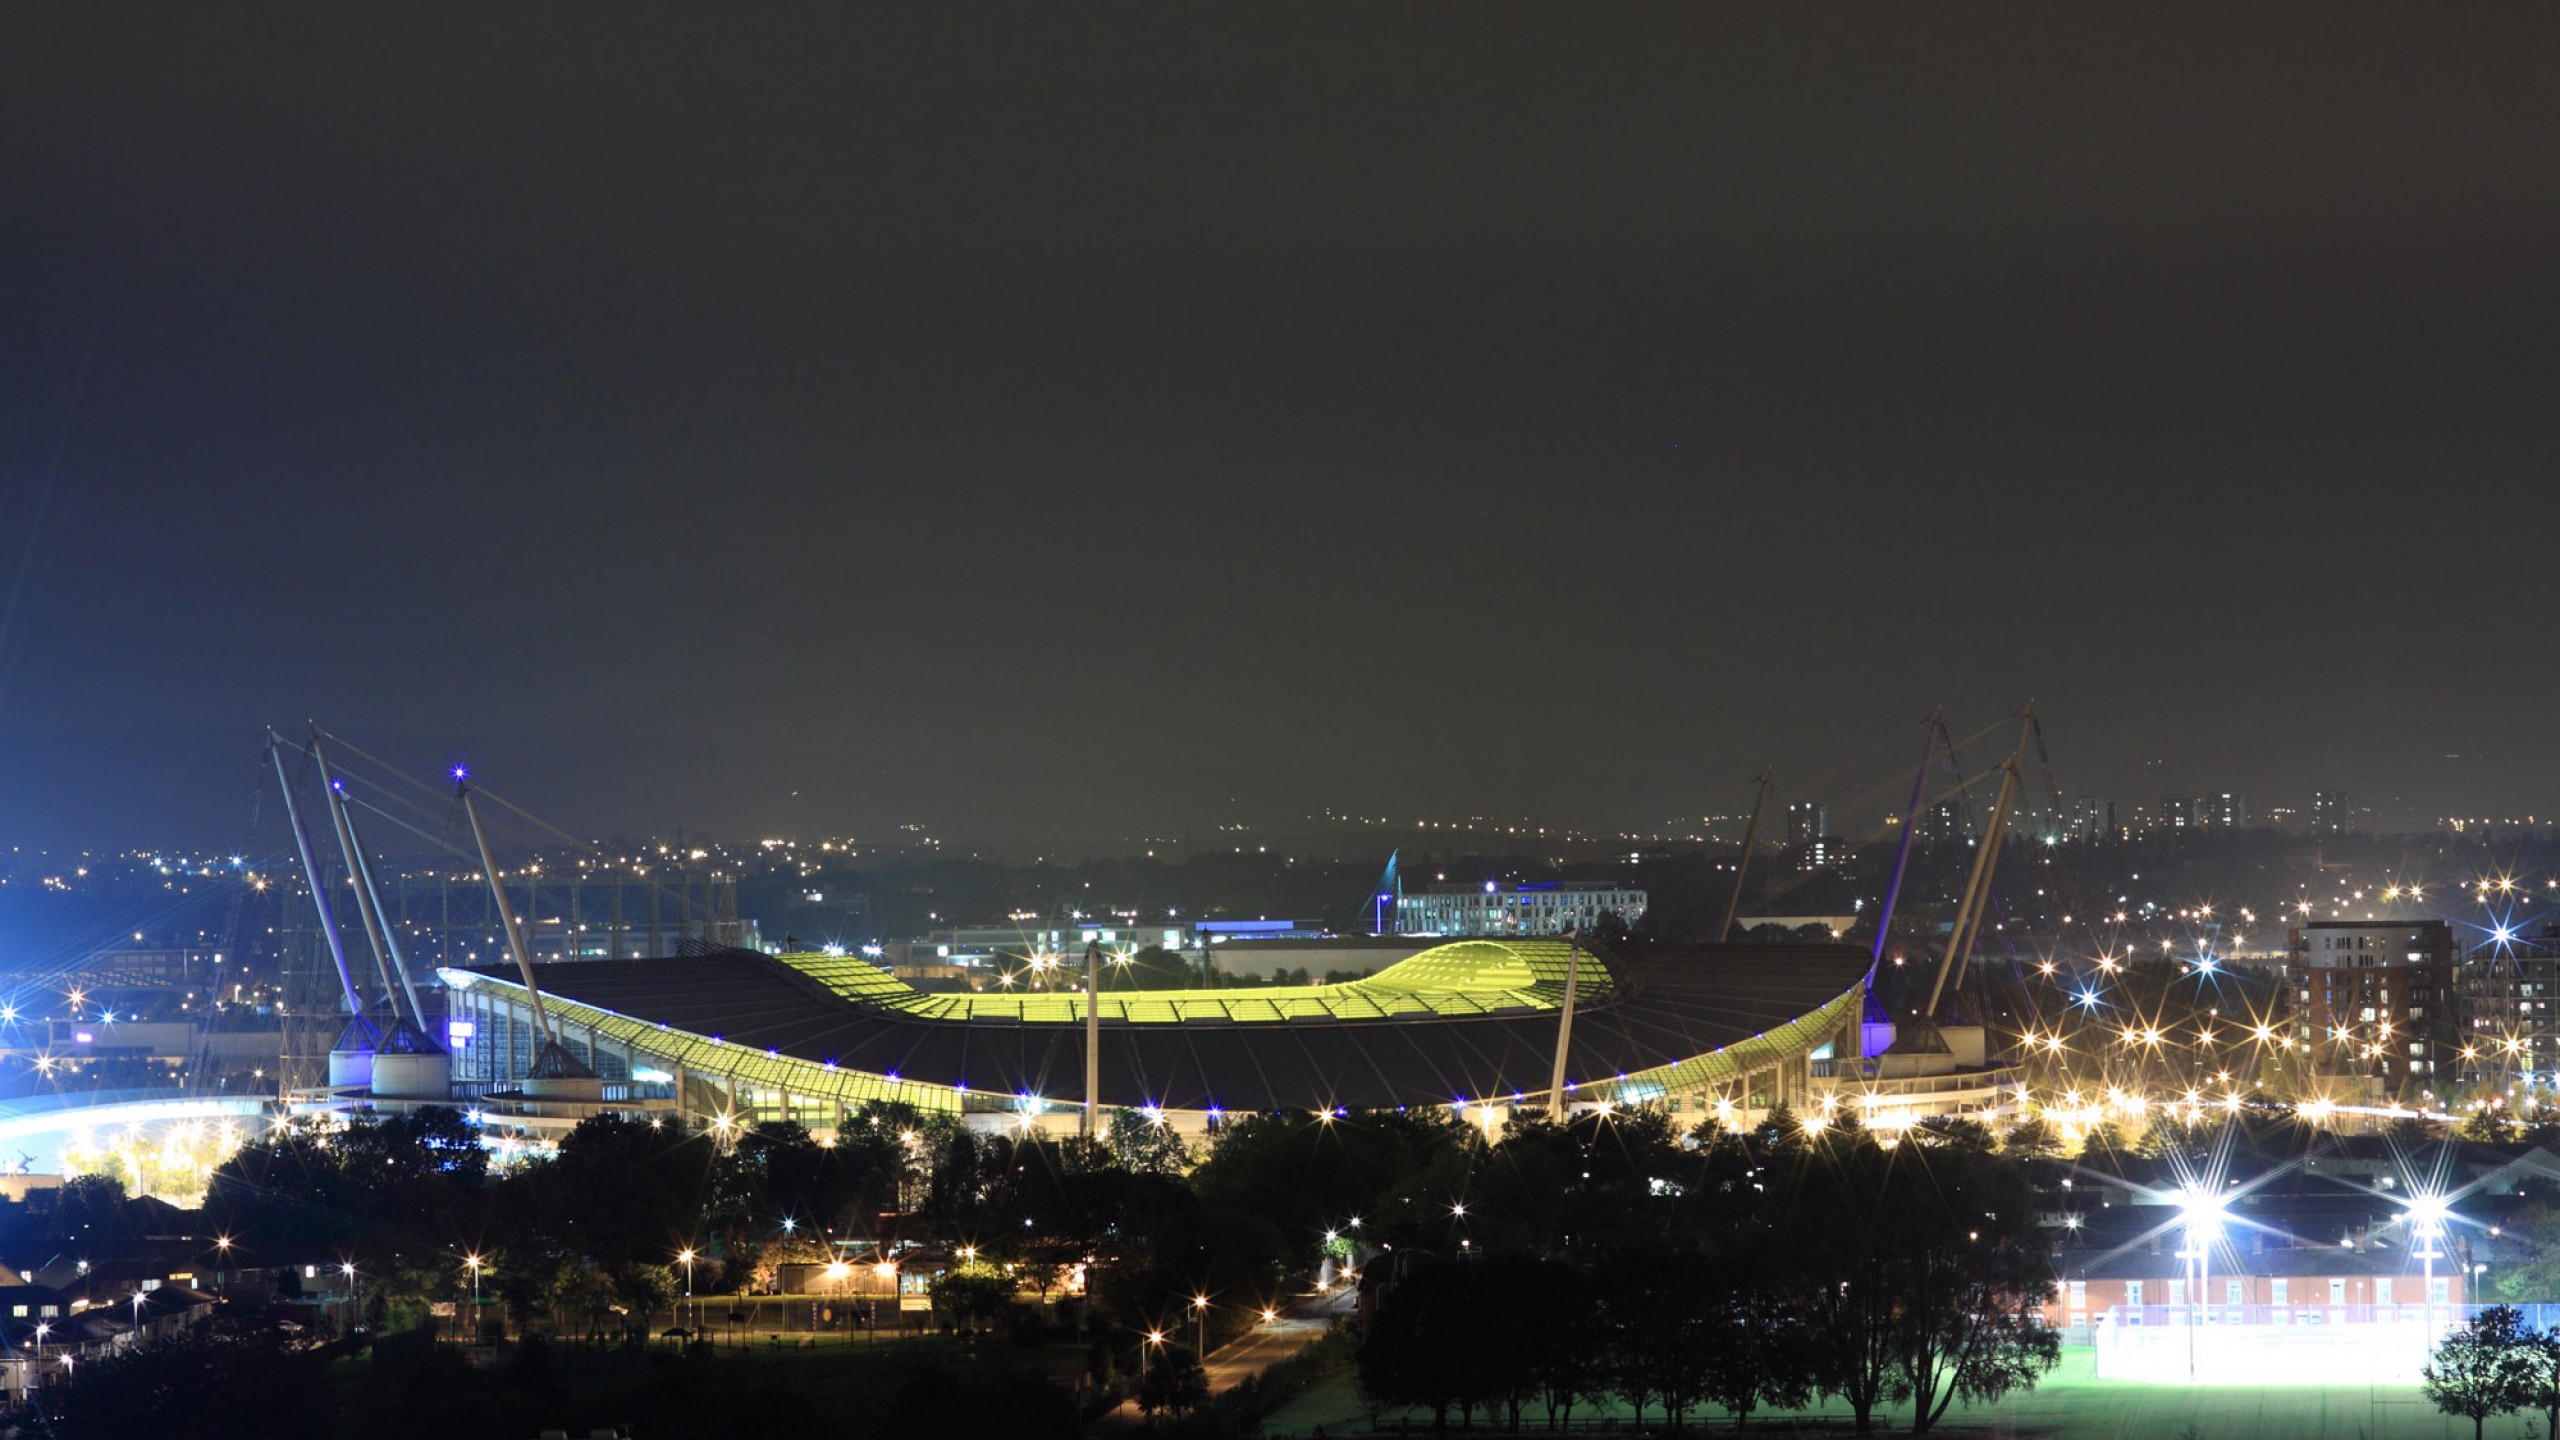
(506, 912)
(377, 925)
(1977, 889)
(311, 876)
(1742, 868)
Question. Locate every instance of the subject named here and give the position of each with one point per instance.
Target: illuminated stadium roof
(1467, 1021)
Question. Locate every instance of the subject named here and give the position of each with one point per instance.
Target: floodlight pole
(1092, 1037)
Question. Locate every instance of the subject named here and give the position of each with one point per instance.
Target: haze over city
(841, 423)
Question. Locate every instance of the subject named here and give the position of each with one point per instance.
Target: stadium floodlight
(2426, 1216)
(2202, 1212)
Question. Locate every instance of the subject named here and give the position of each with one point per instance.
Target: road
(1302, 1324)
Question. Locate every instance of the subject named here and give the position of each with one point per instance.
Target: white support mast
(1564, 1027)
(311, 877)
(1977, 890)
(506, 912)
(377, 925)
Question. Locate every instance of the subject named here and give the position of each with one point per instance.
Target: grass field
(2070, 1404)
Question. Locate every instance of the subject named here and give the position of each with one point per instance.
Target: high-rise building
(2329, 812)
(1808, 821)
(2177, 812)
(2376, 998)
(2224, 811)
(2511, 1005)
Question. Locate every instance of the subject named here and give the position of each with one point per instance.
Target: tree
(2482, 1368)
(1146, 1145)
(1972, 1268)
(1828, 1202)
(2540, 1350)
(1756, 1348)
(1658, 1307)
(972, 1297)
(2490, 1124)
(1175, 1381)
(2532, 1233)
(1417, 1348)
(2032, 1138)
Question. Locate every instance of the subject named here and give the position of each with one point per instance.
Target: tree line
(1786, 1267)
(1514, 1276)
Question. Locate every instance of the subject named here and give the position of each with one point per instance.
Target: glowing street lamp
(1200, 1335)
(1154, 1338)
(472, 1264)
(685, 1258)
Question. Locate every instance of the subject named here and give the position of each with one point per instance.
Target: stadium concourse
(739, 1037)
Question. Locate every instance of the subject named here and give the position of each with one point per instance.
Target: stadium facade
(742, 1037)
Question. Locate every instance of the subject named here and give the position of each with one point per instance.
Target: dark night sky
(1091, 420)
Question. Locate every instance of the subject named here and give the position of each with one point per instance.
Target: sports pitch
(2071, 1403)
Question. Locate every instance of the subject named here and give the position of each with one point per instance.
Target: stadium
(743, 1037)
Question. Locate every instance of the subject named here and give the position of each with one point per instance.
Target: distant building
(2092, 820)
(2177, 812)
(2330, 813)
(1544, 908)
(2376, 998)
(1824, 852)
(133, 969)
(1942, 824)
(1808, 821)
(2511, 1005)
(2225, 811)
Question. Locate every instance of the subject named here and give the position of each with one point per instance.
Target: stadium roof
(1460, 1023)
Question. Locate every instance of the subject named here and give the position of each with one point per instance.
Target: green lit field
(2070, 1404)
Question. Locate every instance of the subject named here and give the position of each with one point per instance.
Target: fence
(2277, 1344)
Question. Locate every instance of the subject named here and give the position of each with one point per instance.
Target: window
(2275, 1291)
(2133, 1292)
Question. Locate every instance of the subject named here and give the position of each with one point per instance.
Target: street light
(1154, 1337)
(222, 1272)
(1200, 1320)
(685, 1257)
(472, 1264)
